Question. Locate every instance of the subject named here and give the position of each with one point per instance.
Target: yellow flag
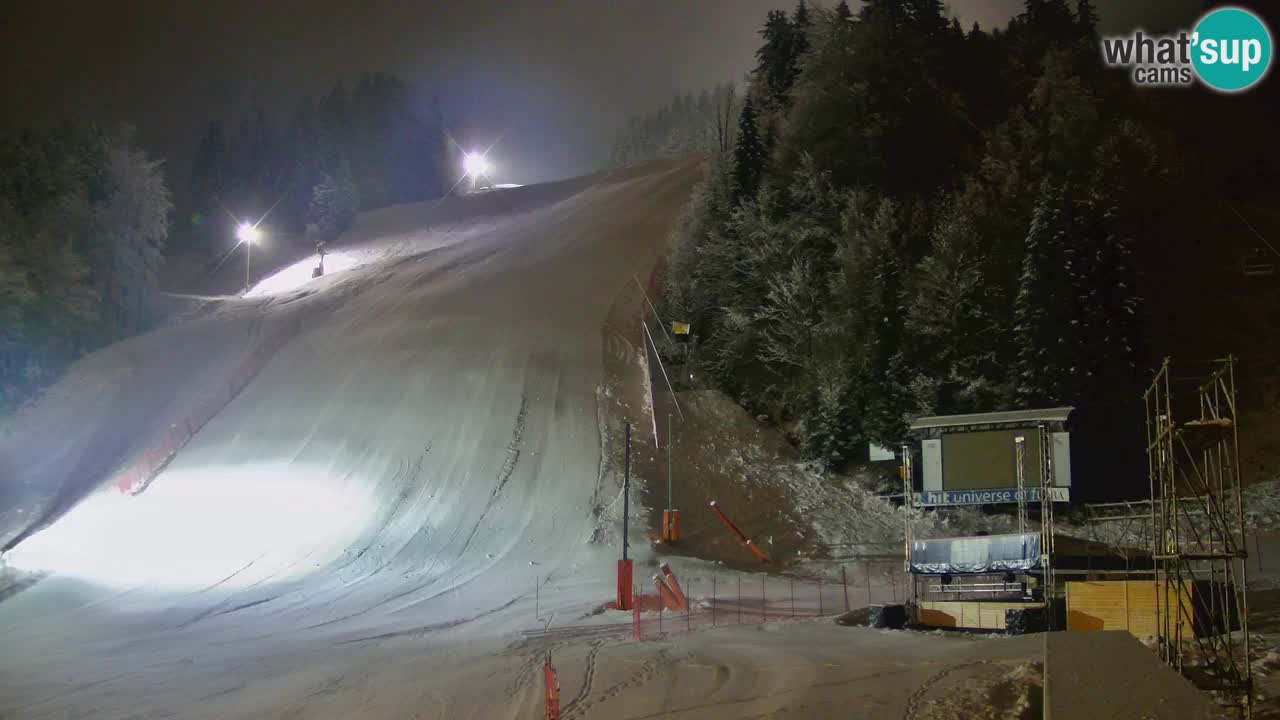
(680, 328)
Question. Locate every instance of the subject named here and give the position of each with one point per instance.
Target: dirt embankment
(793, 510)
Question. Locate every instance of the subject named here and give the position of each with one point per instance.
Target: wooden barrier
(1130, 605)
(969, 614)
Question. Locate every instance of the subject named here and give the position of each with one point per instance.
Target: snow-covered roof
(1008, 417)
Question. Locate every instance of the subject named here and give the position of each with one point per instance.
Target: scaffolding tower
(1197, 538)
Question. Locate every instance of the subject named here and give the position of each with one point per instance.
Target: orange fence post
(553, 690)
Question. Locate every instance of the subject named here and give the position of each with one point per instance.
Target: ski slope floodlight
(247, 233)
(475, 165)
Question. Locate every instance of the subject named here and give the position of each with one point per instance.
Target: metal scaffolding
(1197, 538)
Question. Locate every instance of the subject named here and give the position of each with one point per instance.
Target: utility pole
(625, 588)
(626, 488)
(670, 507)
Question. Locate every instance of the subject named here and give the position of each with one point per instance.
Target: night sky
(558, 76)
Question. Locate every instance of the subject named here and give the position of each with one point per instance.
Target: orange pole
(624, 585)
(682, 603)
(665, 596)
(746, 540)
(553, 690)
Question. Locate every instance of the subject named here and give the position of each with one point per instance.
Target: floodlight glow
(247, 233)
(475, 165)
(194, 528)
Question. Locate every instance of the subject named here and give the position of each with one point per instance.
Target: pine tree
(131, 227)
(333, 205)
(208, 166)
(1087, 18)
(948, 320)
(1044, 309)
(749, 152)
(843, 13)
(775, 66)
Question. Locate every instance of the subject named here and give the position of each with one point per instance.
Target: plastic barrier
(682, 603)
(666, 597)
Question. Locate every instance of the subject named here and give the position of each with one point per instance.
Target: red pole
(746, 540)
(624, 565)
(682, 603)
(553, 690)
(665, 596)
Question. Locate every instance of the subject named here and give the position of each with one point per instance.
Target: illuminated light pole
(247, 234)
(476, 166)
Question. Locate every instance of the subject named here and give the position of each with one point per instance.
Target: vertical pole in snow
(820, 596)
(626, 487)
(792, 583)
(626, 588)
(713, 599)
(248, 251)
(844, 581)
(739, 599)
(866, 571)
(552, 689)
(537, 584)
(764, 616)
(669, 503)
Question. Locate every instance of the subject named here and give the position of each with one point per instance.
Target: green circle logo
(1231, 49)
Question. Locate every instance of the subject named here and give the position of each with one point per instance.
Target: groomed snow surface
(399, 515)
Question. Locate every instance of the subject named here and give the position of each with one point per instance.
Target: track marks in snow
(917, 699)
(513, 447)
(588, 677)
(424, 629)
(647, 671)
(508, 468)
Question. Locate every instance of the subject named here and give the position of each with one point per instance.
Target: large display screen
(986, 460)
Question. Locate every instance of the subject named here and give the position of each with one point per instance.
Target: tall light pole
(247, 234)
(476, 167)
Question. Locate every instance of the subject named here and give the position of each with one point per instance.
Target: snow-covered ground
(409, 506)
(419, 457)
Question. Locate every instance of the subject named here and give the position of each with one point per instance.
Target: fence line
(781, 597)
(135, 477)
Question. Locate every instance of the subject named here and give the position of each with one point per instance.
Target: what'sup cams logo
(1229, 51)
